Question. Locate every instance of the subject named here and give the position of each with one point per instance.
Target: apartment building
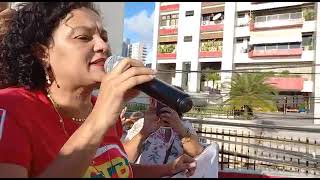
(138, 51)
(269, 36)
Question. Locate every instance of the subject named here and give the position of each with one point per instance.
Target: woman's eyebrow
(78, 28)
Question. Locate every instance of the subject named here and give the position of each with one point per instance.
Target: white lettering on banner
(2, 119)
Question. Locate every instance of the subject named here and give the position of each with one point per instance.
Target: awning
(286, 83)
(276, 36)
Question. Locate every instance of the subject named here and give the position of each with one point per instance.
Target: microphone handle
(167, 94)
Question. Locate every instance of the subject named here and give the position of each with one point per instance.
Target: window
(284, 16)
(241, 15)
(260, 18)
(272, 17)
(308, 42)
(297, 15)
(271, 47)
(259, 47)
(169, 20)
(278, 46)
(206, 17)
(294, 45)
(187, 38)
(283, 46)
(189, 13)
(239, 40)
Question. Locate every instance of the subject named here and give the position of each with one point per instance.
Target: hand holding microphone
(163, 92)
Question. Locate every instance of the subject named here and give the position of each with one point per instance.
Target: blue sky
(138, 22)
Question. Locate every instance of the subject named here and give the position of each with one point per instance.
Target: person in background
(127, 123)
(6, 14)
(161, 136)
(51, 60)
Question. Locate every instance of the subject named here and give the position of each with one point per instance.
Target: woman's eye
(104, 38)
(83, 37)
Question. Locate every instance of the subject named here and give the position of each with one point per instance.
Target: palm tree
(249, 92)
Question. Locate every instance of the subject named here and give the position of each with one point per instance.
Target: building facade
(112, 18)
(138, 51)
(191, 37)
(125, 48)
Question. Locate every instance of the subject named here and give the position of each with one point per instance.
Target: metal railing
(245, 147)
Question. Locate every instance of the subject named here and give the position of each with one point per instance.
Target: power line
(248, 69)
(161, 71)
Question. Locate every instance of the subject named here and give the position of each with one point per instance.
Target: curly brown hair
(31, 25)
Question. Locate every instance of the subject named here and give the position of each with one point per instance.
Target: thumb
(183, 166)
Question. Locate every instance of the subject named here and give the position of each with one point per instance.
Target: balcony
(277, 21)
(166, 56)
(168, 31)
(276, 24)
(210, 28)
(275, 53)
(171, 7)
(210, 54)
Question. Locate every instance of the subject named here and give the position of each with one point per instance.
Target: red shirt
(32, 136)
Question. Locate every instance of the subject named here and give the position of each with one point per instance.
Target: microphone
(163, 92)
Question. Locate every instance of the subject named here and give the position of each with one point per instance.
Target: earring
(48, 79)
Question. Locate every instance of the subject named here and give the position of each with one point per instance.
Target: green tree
(309, 14)
(285, 73)
(212, 76)
(250, 92)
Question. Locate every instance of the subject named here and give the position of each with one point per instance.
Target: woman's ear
(41, 52)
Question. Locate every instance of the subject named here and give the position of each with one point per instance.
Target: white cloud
(142, 25)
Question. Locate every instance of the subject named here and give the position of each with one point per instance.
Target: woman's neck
(72, 102)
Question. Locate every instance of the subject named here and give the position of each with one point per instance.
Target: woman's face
(79, 49)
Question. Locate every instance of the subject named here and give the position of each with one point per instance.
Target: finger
(134, 81)
(165, 115)
(191, 169)
(165, 120)
(163, 110)
(135, 71)
(125, 64)
(123, 111)
(166, 108)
